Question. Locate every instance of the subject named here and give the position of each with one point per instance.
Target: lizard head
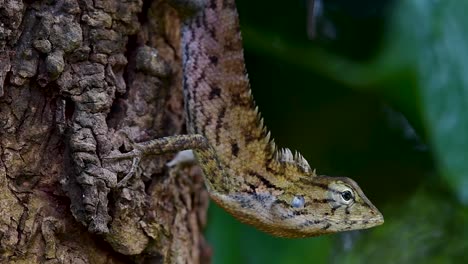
(309, 206)
(321, 204)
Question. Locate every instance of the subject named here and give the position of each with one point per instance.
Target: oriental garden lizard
(245, 173)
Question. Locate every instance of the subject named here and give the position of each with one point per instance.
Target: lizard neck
(219, 104)
(218, 99)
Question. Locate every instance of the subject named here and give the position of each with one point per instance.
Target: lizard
(245, 173)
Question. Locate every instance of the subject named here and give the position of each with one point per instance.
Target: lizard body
(245, 173)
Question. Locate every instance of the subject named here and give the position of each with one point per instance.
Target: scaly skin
(271, 189)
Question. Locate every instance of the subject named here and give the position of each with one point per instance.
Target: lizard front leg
(159, 146)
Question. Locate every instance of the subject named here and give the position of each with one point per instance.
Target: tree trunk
(80, 80)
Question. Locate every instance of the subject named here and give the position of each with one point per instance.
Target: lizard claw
(136, 154)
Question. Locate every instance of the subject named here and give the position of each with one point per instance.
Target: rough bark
(80, 80)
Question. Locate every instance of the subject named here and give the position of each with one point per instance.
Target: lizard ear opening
(298, 201)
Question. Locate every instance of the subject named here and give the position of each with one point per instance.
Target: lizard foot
(136, 155)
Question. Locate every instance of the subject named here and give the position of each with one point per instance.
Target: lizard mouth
(366, 223)
(353, 224)
(377, 220)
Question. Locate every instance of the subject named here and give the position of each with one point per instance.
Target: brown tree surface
(78, 80)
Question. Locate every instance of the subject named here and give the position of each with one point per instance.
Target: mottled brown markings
(310, 222)
(219, 124)
(235, 149)
(211, 30)
(238, 99)
(213, 59)
(198, 23)
(283, 202)
(268, 184)
(252, 188)
(194, 120)
(288, 216)
(230, 45)
(204, 21)
(326, 200)
(299, 212)
(262, 198)
(212, 5)
(326, 226)
(276, 170)
(212, 33)
(188, 97)
(333, 209)
(267, 165)
(233, 43)
(245, 202)
(208, 121)
(320, 185)
(215, 92)
(192, 38)
(249, 138)
(264, 180)
(196, 83)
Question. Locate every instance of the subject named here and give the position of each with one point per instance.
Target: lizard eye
(341, 194)
(298, 201)
(347, 196)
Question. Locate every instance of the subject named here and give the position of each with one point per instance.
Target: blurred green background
(379, 95)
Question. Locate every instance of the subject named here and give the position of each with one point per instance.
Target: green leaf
(422, 70)
(442, 64)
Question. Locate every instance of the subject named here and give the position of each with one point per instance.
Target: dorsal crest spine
(285, 155)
